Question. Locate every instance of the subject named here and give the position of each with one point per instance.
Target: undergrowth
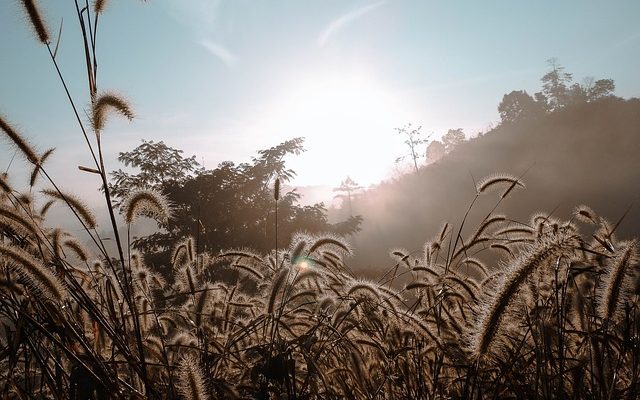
(509, 309)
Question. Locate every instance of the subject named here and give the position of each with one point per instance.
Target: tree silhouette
(435, 151)
(158, 165)
(347, 188)
(452, 138)
(518, 105)
(555, 85)
(230, 206)
(591, 90)
(413, 140)
(558, 91)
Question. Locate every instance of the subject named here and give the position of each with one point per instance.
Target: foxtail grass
(36, 19)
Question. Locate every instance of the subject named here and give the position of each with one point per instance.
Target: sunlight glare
(348, 122)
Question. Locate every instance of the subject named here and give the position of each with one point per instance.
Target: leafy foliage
(229, 206)
(452, 138)
(159, 164)
(346, 190)
(518, 105)
(558, 91)
(413, 139)
(435, 151)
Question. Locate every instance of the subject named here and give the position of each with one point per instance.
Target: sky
(223, 79)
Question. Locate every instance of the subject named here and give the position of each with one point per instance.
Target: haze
(221, 79)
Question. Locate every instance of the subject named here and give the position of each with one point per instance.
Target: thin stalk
(128, 281)
(73, 106)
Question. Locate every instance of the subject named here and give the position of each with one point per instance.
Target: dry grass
(529, 310)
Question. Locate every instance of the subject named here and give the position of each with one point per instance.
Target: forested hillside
(582, 153)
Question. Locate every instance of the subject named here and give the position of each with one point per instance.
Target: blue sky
(222, 79)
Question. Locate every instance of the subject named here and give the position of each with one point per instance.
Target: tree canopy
(558, 91)
(518, 105)
(452, 138)
(159, 164)
(229, 206)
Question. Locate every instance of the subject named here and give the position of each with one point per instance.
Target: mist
(583, 154)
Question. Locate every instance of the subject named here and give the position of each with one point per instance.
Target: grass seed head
(617, 286)
(492, 312)
(36, 277)
(19, 141)
(76, 204)
(147, 203)
(109, 102)
(32, 9)
(493, 181)
(191, 380)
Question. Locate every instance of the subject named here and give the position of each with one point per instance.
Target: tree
(413, 140)
(435, 151)
(158, 164)
(599, 89)
(347, 187)
(555, 85)
(452, 138)
(231, 205)
(518, 105)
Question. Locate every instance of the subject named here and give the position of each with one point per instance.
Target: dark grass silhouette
(557, 317)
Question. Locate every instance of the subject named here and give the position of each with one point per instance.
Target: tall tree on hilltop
(347, 188)
(555, 85)
(413, 140)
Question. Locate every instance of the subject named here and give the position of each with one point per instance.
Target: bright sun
(348, 123)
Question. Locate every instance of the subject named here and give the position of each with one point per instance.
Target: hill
(582, 154)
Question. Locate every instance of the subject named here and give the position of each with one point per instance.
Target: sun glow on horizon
(348, 123)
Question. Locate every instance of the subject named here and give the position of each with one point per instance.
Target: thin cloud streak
(224, 55)
(341, 22)
(629, 40)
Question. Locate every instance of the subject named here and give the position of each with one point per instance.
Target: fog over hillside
(582, 154)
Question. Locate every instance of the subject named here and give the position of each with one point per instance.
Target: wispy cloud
(199, 15)
(202, 17)
(626, 41)
(344, 20)
(224, 55)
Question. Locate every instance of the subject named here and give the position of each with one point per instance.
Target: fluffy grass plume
(99, 6)
(532, 258)
(4, 183)
(276, 190)
(104, 104)
(191, 380)
(38, 166)
(183, 253)
(494, 181)
(276, 284)
(615, 288)
(45, 208)
(21, 143)
(74, 245)
(32, 8)
(330, 241)
(76, 204)
(25, 223)
(585, 214)
(147, 203)
(36, 276)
